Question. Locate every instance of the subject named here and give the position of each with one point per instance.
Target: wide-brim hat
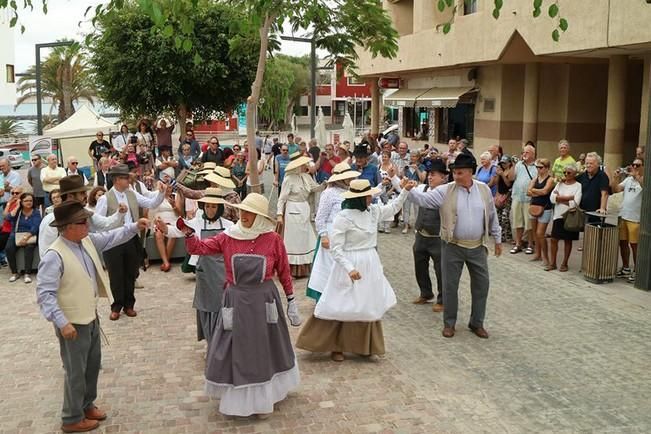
(342, 171)
(360, 188)
(72, 184)
(464, 161)
(436, 165)
(219, 180)
(68, 212)
(255, 203)
(361, 150)
(213, 195)
(222, 171)
(119, 170)
(207, 168)
(297, 160)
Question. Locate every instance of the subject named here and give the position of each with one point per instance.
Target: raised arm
(430, 198)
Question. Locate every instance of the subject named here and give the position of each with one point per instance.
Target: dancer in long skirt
(357, 294)
(293, 215)
(211, 275)
(250, 363)
(329, 207)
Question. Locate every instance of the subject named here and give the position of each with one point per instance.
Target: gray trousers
(453, 258)
(81, 361)
(426, 248)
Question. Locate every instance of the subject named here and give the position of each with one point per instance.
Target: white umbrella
(294, 130)
(349, 129)
(320, 130)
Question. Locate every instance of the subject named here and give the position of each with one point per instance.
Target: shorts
(629, 231)
(545, 218)
(521, 215)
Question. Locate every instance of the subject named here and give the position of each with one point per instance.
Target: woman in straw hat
(293, 214)
(356, 295)
(211, 275)
(250, 363)
(218, 177)
(329, 207)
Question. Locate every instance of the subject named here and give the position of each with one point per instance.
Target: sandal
(528, 251)
(550, 267)
(563, 268)
(516, 249)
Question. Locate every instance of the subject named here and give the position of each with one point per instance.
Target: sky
(62, 21)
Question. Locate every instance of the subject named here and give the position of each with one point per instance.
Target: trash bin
(600, 244)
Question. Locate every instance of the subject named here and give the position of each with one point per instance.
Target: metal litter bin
(600, 247)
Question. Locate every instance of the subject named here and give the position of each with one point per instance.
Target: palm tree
(65, 79)
(9, 127)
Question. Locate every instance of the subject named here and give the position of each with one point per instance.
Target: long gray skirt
(206, 325)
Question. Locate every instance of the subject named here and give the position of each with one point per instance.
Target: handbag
(500, 200)
(574, 220)
(21, 235)
(536, 210)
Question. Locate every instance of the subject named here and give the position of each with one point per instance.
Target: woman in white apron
(329, 207)
(357, 294)
(293, 215)
(211, 277)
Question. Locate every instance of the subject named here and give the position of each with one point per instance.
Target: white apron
(299, 236)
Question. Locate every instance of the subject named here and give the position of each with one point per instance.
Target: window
(469, 7)
(341, 108)
(303, 111)
(489, 105)
(352, 81)
(11, 76)
(326, 110)
(324, 79)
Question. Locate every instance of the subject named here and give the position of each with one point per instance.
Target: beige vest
(112, 204)
(75, 295)
(449, 212)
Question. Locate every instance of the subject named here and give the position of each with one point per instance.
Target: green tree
(9, 127)
(65, 79)
(286, 78)
(140, 71)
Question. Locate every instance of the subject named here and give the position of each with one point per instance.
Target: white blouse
(296, 187)
(357, 230)
(329, 207)
(563, 189)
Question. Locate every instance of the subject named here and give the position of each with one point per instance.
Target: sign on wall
(41, 145)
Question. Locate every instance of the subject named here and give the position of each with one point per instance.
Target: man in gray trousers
(468, 220)
(70, 280)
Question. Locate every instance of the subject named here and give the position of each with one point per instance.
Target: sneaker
(631, 278)
(623, 272)
(405, 230)
(27, 279)
(13, 278)
(138, 285)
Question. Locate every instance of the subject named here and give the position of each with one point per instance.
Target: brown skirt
(300, 271)
(321, 336)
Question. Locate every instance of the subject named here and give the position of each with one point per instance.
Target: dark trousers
(122, 263)
(453, 257)
(11, 249)
(426, 248)
(81, 361)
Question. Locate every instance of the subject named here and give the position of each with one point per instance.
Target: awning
(433, 97)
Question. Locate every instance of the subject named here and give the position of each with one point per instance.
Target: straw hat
(255, 203)
(207, 168)
(223, 172)
(360, 188)
(68, 212)
(219, 180)
(342, 171)
(213, 195)
(297, 161)
(344, 147)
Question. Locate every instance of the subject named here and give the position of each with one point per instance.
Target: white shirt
(169, 171)
(77, 172)
(329, 207)
(632, 203)
(121, 140)
(563, 189)
(143, 202)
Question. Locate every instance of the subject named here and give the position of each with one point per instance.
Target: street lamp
(39, 107)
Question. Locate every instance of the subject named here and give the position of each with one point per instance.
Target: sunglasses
(14, 193)
(100, 135)
(74, 162)
(540, 167)
(636, 165)
(568, 173)
(35, 159)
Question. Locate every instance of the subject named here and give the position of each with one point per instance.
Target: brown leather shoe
(130, 312)
(437, 307)
(337, 357)
(448, 332)
(422, 300)
(81, 426)
(94, 413)
(114, 316)
(479, 331)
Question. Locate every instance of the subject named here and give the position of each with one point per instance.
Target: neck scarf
(260, 226)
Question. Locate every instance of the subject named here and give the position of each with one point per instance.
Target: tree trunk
(289, 110)
(66, 87)
(252, 102)
(181, 117)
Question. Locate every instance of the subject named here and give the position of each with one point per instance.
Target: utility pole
(39, 106)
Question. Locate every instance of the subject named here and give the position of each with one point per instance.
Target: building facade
(506, 81)
(7, 72)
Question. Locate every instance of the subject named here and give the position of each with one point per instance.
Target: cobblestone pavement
(563, 356)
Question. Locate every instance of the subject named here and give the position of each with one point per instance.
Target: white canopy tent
(77, 132)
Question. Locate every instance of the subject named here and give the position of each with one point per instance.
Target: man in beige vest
(468, 220)
(70, 280)
(123, 261)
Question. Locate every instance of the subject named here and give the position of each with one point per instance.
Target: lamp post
(39, 107)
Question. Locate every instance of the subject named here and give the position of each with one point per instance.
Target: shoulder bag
(574, 220)
(24, 238)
